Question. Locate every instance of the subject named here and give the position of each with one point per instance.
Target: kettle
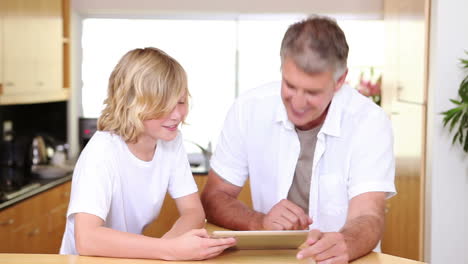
(39, 151)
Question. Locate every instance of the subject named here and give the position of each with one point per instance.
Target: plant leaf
(454, 140)
(465, 62)
(450, 113)
(460, 138)
(455, 101)
(464, 120)
(455, 119)
(465, 147)
(463, 91)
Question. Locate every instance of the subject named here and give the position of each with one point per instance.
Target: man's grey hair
(316, 44)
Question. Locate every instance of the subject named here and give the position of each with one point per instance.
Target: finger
(292, 218)
(329, 240)
(303, 218)
(283, 222)
(215, 242)
(214, 251)
(218, 249)
(320, 247)
(277, 226)
(325, 255)
(199, 232)
(338, 249)
(313, 236)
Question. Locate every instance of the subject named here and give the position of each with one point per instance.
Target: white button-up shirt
(353, 154)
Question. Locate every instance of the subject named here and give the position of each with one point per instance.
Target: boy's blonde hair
(145, 84)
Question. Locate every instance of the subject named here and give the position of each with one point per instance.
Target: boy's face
(165, 128)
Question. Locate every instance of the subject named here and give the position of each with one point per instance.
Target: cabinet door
(49, 59)
(30, 237)
(32, 52)
(56, 227)
(57, 204)
(412, 51)
(35, 225)
(403, 92)
(18, 49)
(8, 222)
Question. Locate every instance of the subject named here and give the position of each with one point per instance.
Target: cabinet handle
(9, 84)
(1, 88)
(8, 222)
(40, 83)
(34, 232)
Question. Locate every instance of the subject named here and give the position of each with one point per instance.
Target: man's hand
(286, 215)
(329, 248)
(196, 245)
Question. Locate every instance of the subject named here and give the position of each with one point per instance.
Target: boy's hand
(196, 245)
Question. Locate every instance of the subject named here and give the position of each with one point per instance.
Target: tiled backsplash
(28, 120)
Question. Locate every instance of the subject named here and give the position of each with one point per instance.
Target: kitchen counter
(37, 186)
(230, 256)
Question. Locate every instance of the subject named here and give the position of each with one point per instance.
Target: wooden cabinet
(35, 225)
(404, 98)
(32, 52)
(169, 213)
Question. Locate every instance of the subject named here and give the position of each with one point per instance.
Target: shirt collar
(332, 123)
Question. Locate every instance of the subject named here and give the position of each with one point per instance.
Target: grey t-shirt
(300, 187)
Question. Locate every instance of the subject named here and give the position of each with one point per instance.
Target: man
(318, 154)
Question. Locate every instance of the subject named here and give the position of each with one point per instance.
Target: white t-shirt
(124, 191)
(353, 153)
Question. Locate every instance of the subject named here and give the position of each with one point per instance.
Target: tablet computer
(290, 239)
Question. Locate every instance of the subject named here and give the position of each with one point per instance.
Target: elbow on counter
(84, 245)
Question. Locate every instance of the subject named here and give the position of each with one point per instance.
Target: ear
(341, 80)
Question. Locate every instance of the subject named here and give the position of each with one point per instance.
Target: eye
(290, 87)
(181, 102)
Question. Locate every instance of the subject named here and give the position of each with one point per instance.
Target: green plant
(458, 116)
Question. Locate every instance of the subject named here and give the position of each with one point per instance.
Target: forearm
(191, 220)
(103, 241)
(362, 234)
(226, 211)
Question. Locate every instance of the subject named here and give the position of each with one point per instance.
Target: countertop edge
(35, 191)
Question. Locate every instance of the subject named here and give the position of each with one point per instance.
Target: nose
(176, 114)
(298, 101)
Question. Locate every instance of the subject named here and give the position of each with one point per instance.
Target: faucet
(206, 152)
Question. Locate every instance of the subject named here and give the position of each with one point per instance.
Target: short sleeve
(229, 160)
(91, 185)
(373, 161)
(181, 182)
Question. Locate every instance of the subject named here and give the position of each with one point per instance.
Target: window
(222, 58)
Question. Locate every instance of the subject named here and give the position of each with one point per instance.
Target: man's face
(307, 96)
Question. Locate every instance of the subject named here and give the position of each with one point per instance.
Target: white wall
(447, 165)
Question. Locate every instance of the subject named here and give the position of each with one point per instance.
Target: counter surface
(41, 185)
(230, 256)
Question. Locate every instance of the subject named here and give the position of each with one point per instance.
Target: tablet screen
(266, 239)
